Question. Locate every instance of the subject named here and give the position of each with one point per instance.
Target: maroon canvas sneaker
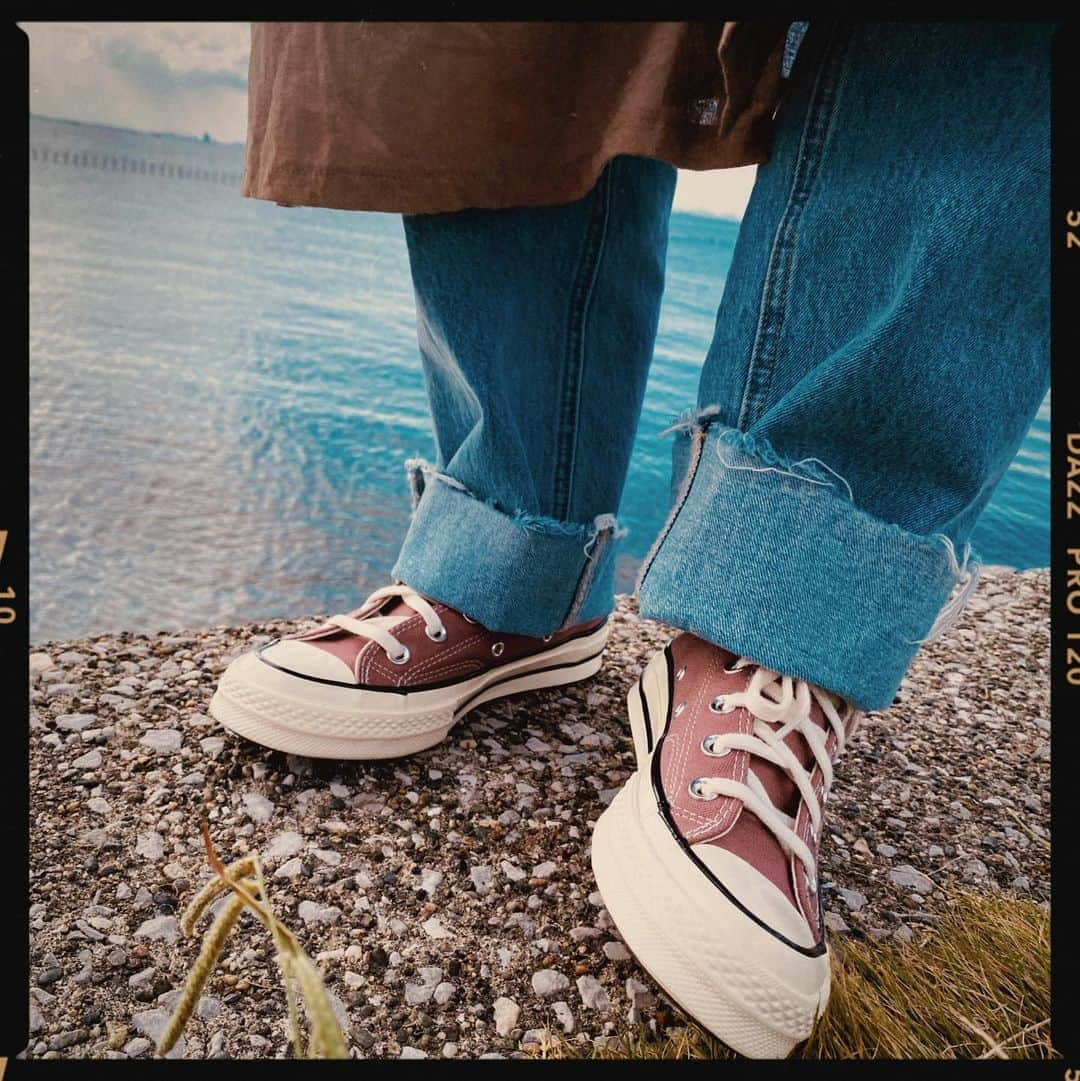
(391, 678)
(707, 858)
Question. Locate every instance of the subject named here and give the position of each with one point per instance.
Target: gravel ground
(448, 897)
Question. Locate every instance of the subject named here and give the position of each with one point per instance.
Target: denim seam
(605, 531)
(585, 277)
(774, 297)
(414, 471)
(697, 423)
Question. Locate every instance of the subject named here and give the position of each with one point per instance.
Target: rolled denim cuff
(514, 572)
(774, 561)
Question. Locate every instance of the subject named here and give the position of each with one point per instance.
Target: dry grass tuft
(975, 986)
(244, 879)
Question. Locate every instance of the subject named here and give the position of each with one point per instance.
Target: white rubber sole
(318, 720)
(744, 985)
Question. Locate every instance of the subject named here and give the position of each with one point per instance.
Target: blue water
(222, 392)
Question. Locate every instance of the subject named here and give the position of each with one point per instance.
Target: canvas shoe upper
(743, 772)
(707, 859)
(390, 677)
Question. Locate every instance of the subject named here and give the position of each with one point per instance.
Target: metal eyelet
(438, 636)
(497, 649)
(680, 673)
(708, 745)
(694, 788)
(402, 657)
(716, 705)
(547, 638)
(468, 619)
(678, 709)
(732, 666)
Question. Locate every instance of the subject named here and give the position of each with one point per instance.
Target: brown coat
(436, 116)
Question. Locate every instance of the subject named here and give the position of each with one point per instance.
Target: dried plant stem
(285, 965)
(326, 1038)
(242, 868)
(244, 879)
(212, 946)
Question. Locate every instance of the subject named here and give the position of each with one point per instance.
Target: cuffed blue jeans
(880, 349)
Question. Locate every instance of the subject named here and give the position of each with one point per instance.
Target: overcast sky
(191, 78)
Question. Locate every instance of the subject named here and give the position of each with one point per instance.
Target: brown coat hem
(414, 192)
(353, 116)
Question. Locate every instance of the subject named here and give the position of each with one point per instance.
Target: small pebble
(592, 993)
(908, 877)
(257, 806)
(163, 740)
(506, 1012)
(312, 912)
(547, 982)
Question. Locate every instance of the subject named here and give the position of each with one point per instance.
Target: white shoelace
(377, 628)
(772, 698)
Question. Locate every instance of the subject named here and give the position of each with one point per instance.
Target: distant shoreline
(134, 131)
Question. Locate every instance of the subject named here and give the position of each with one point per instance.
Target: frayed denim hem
(513, 571)
(773, 559)
(419, 471)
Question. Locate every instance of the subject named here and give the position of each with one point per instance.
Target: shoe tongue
(783, 794)
(393, 612)
(777, 782)
(387, 623)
